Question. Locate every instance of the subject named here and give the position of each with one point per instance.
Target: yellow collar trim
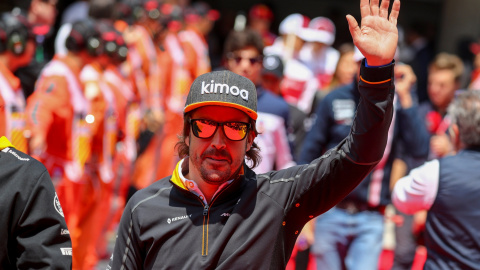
(4, 143)
(176, 176)
(177, 180)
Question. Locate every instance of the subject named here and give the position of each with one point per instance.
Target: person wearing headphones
(199, 20)
(60, 118)
(16, 50)
(41, 14)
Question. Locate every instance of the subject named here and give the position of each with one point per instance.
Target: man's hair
(465, 113)
(445, 61)
(238, 40)
(101, 9)
(183, 149)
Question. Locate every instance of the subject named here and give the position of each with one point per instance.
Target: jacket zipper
(206, 216)
(205, 231)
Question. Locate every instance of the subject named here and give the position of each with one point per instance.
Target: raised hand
(377, 35)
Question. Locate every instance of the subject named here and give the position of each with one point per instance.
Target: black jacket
(32, 227)
(254, 222)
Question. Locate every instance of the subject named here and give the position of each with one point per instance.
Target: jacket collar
(5, 143)
(234, 187)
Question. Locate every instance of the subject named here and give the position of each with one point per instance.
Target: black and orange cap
(223, 88)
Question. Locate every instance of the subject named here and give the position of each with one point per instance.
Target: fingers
(364, 8)
(353, 27)
(374, 7)
(384, 8)
(395, 11)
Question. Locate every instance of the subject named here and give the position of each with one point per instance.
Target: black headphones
(152, 7)
(14, 33)
(84, 36)
(113, 43)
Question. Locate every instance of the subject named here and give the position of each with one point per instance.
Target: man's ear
(186, 140)
(455, 137)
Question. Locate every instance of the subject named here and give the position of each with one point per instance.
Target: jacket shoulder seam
(149, 198)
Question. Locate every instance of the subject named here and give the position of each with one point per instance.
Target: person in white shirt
(448, 188)
(318, 53)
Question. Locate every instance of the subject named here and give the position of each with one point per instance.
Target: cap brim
(252, 114)
(312, 35)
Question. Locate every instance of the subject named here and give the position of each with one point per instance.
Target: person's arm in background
(412, 129)
(417, 191)
(50, 94)
(441, 145)
(284, 158)
(316, 140)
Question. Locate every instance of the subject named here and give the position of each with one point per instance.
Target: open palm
(377, 36)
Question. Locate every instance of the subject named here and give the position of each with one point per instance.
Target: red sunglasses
(205, 129)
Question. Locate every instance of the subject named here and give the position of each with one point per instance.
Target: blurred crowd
(104, 112)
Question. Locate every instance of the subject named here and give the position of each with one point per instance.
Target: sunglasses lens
(235, 131)
(203, 128)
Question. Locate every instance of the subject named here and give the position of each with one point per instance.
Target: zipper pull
(205, 210)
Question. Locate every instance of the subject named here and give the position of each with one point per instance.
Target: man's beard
(213, 175)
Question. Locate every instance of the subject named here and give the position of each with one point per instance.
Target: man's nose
(219, 139)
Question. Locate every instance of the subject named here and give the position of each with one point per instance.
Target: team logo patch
(66, 251)
(56, 204)
(170, 220)
(343, 111)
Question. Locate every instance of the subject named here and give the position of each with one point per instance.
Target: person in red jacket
(199, 20)
(59, 116)
(16, 50)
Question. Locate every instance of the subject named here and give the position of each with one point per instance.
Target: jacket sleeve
(418, 190)
(42, 237)
(309, 190)
(127, 251)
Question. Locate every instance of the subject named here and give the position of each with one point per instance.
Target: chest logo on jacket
(343, 111)
(170, 220)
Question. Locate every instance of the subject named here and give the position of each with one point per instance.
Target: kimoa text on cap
(214, 88)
